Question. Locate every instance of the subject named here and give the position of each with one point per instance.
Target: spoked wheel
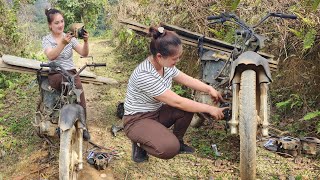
(70, 156)
(248, 125)
(197, 120)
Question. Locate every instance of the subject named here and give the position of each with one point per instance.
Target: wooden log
(210, 41)
(16, 70)
(34, 64)
(9, 68)
(189, 35)
(191, 38)
(90, 82)
(21, 62)
(98, 80)
(196, 36)
(206, 45)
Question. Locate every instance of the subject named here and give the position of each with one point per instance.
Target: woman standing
(58, 46)
(151, 107)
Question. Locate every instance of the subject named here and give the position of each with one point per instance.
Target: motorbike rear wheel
(69, 154)
(197, 121)
(248, 125)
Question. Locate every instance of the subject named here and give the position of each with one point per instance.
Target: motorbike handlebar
(51, 65)
(97, 65)
(221, 21)
(44, 65)
(214, 17)
(54, 65)
(287, 16)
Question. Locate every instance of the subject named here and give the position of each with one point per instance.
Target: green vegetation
(131, 45)
(311, 115)
(17, 104)
(11, 38)
(90, 12)
(313, 118)
(182, 91)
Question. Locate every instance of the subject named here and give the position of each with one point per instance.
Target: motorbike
(58, 114)
(243, 76)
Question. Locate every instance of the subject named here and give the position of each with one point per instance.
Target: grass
(16, 131)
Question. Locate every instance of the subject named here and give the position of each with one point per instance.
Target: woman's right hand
(67, 38)
(216, 113)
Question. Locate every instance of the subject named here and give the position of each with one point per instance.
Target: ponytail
(50, 12)
(163, 41)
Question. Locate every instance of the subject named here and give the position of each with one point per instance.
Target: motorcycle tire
(197, 121)
(120, 110)
(248, 125)
(69, 153)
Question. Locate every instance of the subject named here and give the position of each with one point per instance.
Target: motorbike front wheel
(248, 125)
(69, 156)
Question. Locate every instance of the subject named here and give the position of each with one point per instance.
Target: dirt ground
(42, 161)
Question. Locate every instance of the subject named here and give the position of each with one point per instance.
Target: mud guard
(69, 114)
(251, 58)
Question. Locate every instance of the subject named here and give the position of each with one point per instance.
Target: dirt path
(102, 101)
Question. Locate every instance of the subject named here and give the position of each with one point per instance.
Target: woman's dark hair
(163, 41)
(50, 12)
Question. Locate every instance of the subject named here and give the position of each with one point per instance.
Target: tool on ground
(115, 129)
(289, 146)
(215, 150)
(99, 159)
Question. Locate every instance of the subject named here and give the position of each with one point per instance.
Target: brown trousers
(151, 130)
(56, 78)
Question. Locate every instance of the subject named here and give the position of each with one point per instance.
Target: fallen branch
(280, 133)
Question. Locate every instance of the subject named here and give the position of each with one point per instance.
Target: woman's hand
(86, 37)
(216, 95)
(67, 38)
(216, 113)
(83, 49)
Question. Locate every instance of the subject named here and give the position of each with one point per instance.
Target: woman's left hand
(216, 95)
(86, 36)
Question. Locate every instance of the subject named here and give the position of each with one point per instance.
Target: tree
(10, 38)
(86, 11)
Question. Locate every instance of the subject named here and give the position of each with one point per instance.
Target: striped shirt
(145, 83)
(65, 57)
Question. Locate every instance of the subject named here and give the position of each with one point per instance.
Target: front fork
(234, 122)
(80, 144)
(262, 114)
